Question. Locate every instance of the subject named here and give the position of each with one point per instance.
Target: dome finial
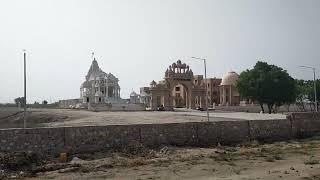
(93, 57)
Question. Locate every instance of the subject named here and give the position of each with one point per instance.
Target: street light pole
(25, 90)
(315, 86)
(206, 80)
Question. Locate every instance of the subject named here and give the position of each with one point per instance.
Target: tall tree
(306, 92)
(267, 84)
(20, 100)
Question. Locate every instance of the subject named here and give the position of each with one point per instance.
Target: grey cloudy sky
(136, 40)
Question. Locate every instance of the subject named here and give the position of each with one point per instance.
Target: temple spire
(92, 56)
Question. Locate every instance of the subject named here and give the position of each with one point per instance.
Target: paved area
(68, 117)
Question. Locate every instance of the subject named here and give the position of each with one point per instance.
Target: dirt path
(295, 160)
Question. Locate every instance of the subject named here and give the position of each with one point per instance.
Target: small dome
(153, 83)
(230, 78)
(133, 94)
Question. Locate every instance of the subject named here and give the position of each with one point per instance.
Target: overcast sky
(137, 40)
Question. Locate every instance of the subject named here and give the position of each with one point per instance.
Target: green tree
(306, 92)
(20, 100)
(44, 102)
(267, 84)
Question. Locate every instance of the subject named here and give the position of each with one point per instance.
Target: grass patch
(274, 158)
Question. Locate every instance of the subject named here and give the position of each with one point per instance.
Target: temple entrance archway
(178, 89)
(180, 94)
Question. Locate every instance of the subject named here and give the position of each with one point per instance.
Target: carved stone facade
(180, 88)
(99, 87)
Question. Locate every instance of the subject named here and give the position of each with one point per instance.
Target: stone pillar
(223, 96)
(153, 102)
(230, 101)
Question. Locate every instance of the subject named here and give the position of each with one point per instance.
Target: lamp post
(25, 90)
(205, 76)
(315, 85)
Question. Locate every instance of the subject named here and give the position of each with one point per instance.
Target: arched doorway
(180, 94)
(180, 97)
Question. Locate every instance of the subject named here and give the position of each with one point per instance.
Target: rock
(164, 150)
(292, 168)
(76, 160)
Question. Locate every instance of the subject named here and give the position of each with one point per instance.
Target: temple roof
(96, 73)
(230, 78)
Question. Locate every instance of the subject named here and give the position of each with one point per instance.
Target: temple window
(177, 88)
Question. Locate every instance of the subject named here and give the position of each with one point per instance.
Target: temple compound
(100, 92)
(99, 86)
(181, 88)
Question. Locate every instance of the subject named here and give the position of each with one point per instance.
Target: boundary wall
(113, 137)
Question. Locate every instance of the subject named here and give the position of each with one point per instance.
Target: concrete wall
(68, 103)
(87, 139)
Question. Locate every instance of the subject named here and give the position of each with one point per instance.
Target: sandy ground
(294, 160)
(67, 117)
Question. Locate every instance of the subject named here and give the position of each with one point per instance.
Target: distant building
(228, 92)
(101, 92)
(145, 96)
(213, 91)
(99, 87)
(180, 88)
(134, 98)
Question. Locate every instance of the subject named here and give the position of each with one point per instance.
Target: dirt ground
(294, 160)
(11, 118)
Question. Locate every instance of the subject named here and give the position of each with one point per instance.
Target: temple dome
(153, 83)
(133, 94)
(230, 78)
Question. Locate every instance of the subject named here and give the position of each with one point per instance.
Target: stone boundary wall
(68, 103)
(87, 139)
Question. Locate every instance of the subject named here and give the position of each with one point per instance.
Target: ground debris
(19, 160)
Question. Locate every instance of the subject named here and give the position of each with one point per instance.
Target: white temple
(99, 87)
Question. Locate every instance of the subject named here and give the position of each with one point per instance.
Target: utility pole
(206, 80)
(315, 86)
(25, 90)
